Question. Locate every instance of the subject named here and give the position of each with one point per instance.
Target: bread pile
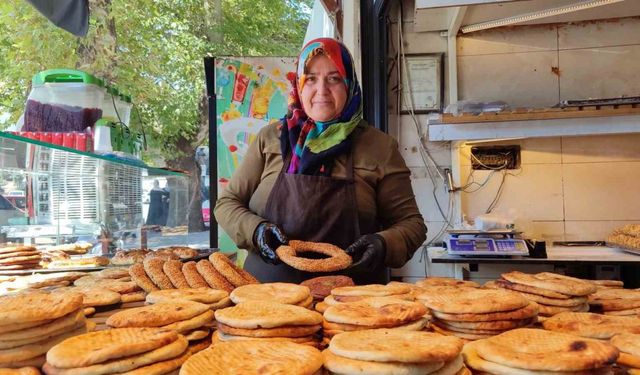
(616, 301)
(92, 297)
(607, 284)
(115, 280)
(214, 299)
(286, 293)
(374, 312)
(388, 351)
(33, 322)
(627, 237)
(218, 273)
(132, 350)
(473, 314)
(445, 281)
(321, 287)
(268, 321)
(362, 292)
(536, 351)
(39, 281)
(255, 357)
(93, 261)
(189, 318)
(593, 326)
(19, 258)
(71, 248)
(552, 292)
(629, 346)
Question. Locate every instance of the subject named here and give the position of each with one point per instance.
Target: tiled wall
(570, 188)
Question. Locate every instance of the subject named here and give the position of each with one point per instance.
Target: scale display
(486, 246)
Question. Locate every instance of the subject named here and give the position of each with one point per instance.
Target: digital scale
(486, 243)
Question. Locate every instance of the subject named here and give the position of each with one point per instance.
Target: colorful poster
(250, 93)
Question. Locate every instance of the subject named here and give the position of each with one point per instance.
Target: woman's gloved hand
(368, 253)
(268, 237)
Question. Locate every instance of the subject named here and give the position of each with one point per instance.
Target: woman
(322, 174)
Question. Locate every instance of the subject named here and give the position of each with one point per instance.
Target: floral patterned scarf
(316, 144)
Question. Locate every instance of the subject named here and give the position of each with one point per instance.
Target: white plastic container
(124, 108)
(109, 104)
(63, 100)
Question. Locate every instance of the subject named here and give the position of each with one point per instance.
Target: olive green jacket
(382, 185)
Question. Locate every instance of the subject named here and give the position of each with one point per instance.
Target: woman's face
(324, 93)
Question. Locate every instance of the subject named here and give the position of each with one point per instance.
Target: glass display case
(53, 195)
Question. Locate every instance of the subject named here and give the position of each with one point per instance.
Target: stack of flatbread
(593, 326)
(217, 273)
(627, 237)
(93, 297)
(39, 281)
(616, 301)
(139, 351)
(192, 319)
(445, 281)
(321, 287)
(19, 258)
(536, 351)
(286, 293)
(472, 313)
(388, 351)
(254, 357)
(374, 312)
(215, 299)
(607, 284)
(552, 292)
(72, 248)
(268, 321)
(629, 346)
(33, 322)
(114, 280)
(362, 292)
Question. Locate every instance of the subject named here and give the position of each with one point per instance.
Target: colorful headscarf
(315, 144)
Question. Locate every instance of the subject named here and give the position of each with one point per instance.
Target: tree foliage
(159, 47)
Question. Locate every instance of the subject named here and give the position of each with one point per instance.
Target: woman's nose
(323, 86)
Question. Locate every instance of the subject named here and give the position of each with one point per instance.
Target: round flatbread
(251, 315)
(531, 310)
(321, 287)
(552, 281)
(113, 273)
(93, 296)
(615, 299)
(55, 327)
(276, 292)
(545, 310)
(283, 331)
(234, 274)
(628, 343)
(173, 270)
(202, 295)
(628, 312)
(541, 350)
(133, 297)
(37, 306)
(471, 300)
(221, 336)
(371, 290)
(196, 322)
(376, 312)
(388, 345)
(463, 335)
(157, 315)
(341, 365)
(494, 325)
(418, 325)
(445, 281)
(20, 371)
(592, 325)
(124, 364)
(101, 346)
(455, 367)
(254, 357)
(197, 334)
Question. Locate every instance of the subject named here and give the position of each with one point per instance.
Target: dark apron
(317, 209)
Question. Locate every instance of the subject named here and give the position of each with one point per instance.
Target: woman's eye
(311, 79)
(334, 79)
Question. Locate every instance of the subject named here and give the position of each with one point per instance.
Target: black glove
(268, 237)
(368, 253)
